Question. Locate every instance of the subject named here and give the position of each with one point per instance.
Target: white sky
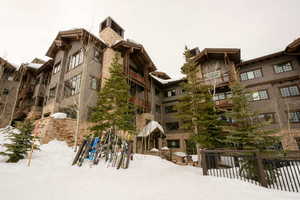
(164, 27)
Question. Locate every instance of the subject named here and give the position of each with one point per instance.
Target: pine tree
(196, 109)
(113, 109)
(247, 131)
(20, 141)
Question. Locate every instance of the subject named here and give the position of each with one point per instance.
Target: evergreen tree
(20, 141)
(113, 109)
(196, 109)
(247, 130)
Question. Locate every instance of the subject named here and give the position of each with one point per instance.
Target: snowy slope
(51, 176)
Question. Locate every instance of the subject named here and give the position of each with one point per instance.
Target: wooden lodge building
(79, 64)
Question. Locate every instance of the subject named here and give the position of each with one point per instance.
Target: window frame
(288, 86)
(55, 67)
(281, 63)
(76, 88)
(167, 125)
(75, 60)
(177, 141)
(298, 115)
(253, 71)
(97, 83)
(258, 91)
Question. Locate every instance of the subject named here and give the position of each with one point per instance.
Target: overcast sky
(164, 27)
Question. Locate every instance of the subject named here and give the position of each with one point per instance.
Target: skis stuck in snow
(110, 148)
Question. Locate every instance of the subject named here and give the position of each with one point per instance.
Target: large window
(94, 83)
(294, 116)
(283, 67)
(56, 68)
(157, 108)
(171, 126)
(298, 142)
(173, 143)
(289, 91)
(266, 117)
(75, 60)
(251, 75)
(170, 109)
(52, 92)
(170, 93)
(72, 86)
(97, 54)
(259, 95)
(221, 96)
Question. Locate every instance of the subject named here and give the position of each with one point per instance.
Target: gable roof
(134, 45)
(73, 34)
(219, 53)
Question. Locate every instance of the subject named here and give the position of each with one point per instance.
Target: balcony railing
(225, 78)
(224, 103)
(136, 76)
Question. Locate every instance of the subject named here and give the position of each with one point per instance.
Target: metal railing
(276, 170)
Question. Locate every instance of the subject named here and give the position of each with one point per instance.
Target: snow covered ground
(51, 176)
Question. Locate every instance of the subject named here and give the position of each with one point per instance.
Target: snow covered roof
(59, 115)
(149, 128)
(162, 81)
(34, 65)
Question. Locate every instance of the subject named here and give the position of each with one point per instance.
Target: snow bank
(51, 176)
(34, 65)
(154, 150)
(180, 154)
(59, 115)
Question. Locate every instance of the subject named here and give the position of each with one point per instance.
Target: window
(75, 60)
(283, 67)
(173, 143)
(5, 91)
(171, 126)
(298, 142)
(289, 91)
(52, 92)
(221, 96)
(97, 54)
(157, 92)
(267, 117)
(57, 67)
(294, 116)
(170, 109)
(72, 86)
(251, 75)
(94, 83)
(157, 108)
(259, 95)
(170, 93)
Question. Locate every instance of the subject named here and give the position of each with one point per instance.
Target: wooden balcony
(223, 103)
(223, 80)
(136, 76)
(140, 102)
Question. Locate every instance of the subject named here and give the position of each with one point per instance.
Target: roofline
(207, 51)
(261, 59)
(140, 47)
(70, 32)
(8, 63)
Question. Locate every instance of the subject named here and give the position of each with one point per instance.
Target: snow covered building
(80, 62)
(8, 90)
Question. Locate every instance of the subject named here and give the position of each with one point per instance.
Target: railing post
(261, 172)
(204, 162)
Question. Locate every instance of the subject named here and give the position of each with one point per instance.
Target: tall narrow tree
(113, 109)
(196, 109)
(247, 130)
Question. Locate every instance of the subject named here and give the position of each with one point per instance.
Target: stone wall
(49, 129)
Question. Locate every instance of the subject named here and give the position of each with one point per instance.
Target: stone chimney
(110, 31)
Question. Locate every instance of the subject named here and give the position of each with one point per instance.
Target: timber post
(260, 169)
(204, 162)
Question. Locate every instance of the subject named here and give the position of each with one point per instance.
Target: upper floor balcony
(216, 78)
(136, 76)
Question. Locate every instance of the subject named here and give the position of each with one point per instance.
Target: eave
(218, 53)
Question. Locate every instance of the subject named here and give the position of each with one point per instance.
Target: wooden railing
(136, 76)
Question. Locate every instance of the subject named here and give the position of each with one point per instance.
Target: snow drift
(51, 176)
